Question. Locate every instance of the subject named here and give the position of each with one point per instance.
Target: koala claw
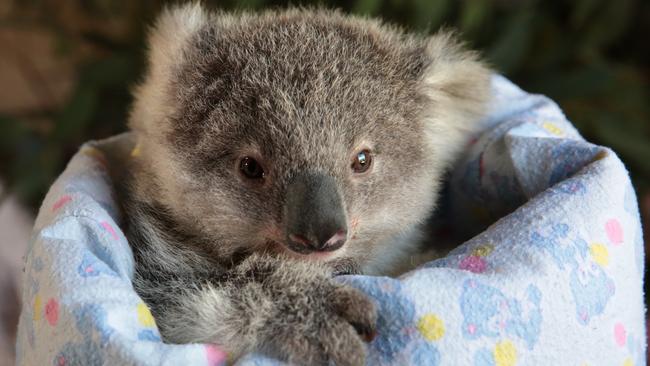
(321, 322)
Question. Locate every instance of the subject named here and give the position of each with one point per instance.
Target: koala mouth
(299, 252)
(340, 265)
(302, 245)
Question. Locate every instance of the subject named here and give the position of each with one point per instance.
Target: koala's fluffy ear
(167, 42)
(456, 85)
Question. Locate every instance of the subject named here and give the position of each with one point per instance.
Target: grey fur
(301, 91)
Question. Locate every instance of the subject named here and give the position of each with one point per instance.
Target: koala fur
(301, 91)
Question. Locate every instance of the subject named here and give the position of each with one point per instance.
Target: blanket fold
(551, 273)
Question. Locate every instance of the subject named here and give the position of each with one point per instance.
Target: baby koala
(280, 149)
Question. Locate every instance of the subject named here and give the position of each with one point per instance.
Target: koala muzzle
(314, 213)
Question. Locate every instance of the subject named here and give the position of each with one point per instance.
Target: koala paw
(316, 320)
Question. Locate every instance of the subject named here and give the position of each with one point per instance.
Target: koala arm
(287, 309)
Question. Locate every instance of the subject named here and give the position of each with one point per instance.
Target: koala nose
(314, 214)
(323, 241)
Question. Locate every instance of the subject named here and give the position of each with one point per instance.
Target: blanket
(550, 273)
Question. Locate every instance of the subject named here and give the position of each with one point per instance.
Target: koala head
(304, 132)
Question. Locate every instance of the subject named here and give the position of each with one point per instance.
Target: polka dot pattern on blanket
(550, 271)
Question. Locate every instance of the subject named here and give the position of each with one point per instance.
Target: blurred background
(66, 67)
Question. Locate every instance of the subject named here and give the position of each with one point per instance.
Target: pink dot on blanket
(614, 231)
(473, 263)
(110, 229)
(61, 202)
(214, 355)
(583, 315)
(52, 312)
(471, 329)
(619, 334)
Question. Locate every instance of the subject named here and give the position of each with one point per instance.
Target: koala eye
(362, 161)
(250, 168)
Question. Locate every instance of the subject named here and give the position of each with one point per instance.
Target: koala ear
(456, 87)
(171, 33)
(168, 41)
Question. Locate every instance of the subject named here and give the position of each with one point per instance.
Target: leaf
(366, 7)
(577, 83)
(429, 14)
(114, 70)
(513, 44)
(250, 4)
(76, 115)
(584, 9)
(633, 148)
(473, 15)
(12, 132)
(610, 23)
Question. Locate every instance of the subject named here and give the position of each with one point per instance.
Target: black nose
(314, 214)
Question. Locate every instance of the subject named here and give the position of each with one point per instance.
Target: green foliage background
(591, 56)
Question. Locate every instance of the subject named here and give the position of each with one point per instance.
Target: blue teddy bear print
(488, 312)
(398, 340)
(591, 288)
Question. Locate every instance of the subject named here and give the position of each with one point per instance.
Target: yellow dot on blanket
(601, 155)
(552, 128)
(599, 254)
(136, 151)
(628, 362)
(37, 308)
(431, 327)
(483, 250)
(95, 154)
(505, 354)
(144, 316)
(91, 151)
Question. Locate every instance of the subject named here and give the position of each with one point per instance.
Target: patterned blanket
(551, 273)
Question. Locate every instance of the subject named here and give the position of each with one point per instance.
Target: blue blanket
(552, 273)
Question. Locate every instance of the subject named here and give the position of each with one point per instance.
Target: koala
(277, 150)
